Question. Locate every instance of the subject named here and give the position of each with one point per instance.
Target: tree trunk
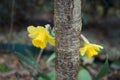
(67, 18)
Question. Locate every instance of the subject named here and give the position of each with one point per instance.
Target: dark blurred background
(26, 12)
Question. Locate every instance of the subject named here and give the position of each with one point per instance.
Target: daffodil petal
(51, 40)
(83, 50)
(33, 31)
(91, 52)
(42, 29)
(98, 46)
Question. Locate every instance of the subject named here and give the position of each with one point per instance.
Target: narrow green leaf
(103, 71)
(30, 55)
(50, 59)
(26, 60)
(32, 58)
(84, 75)
(49, 76)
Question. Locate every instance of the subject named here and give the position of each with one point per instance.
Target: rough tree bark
(67, 20)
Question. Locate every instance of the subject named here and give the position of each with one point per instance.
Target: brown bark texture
(67, 20)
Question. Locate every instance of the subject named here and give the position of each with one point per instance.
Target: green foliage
(103, 71)
(48, 62)
(4, 68)
(31, 62)
(39, 73)
(51, 32)
(51, 75)
(84, 75)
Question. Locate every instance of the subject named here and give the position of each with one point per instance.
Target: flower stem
(39, 56)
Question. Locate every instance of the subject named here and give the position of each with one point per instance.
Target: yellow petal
(83, 50)
(33, 31)
(91, 52)
(51, 40)
(97, 46)
(41, 29)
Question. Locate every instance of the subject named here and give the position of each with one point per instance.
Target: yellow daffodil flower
(90, 49)
(40, 36)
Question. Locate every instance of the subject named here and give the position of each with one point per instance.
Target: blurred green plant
(50, 59)
(34, 68)
(103, 71)
(84, 75)
(4, 68)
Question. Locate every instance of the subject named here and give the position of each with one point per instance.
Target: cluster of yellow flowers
(40, 36)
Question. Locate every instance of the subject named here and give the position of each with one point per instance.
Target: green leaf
(48, 76)
(40, 78)
(103, 71)
(27, 60)
(52, 75)
(84, 75)
(24, 58)
(51, 32)
(50, 59)
(30, 55)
